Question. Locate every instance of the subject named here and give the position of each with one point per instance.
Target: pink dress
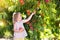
(23, 34)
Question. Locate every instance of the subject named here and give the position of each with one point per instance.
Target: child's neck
(18, 20)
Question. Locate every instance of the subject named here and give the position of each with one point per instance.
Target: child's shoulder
(19, 22)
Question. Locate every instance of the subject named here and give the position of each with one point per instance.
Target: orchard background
(44, 24)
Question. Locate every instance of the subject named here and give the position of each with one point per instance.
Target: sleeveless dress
(19, 34)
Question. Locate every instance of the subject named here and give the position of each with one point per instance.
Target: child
(19, 30)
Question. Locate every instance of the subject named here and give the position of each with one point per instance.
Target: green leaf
(0, 16)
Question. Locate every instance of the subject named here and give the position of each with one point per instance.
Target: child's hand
(21, 29)
(34, 12)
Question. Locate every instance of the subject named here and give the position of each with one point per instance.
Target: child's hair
(15, 16)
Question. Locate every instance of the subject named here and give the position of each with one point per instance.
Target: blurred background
(45, 24)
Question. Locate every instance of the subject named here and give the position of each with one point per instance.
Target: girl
(19, 30)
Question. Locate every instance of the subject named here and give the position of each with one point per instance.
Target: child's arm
(21, 29)
(29, 18)
(18, 30)
(15, 28)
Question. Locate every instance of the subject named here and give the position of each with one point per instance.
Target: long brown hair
(15, 16)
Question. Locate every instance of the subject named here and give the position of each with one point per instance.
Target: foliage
(44, 24)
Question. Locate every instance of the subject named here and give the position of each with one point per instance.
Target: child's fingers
(21, 29)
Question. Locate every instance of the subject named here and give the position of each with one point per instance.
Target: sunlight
(1, 23)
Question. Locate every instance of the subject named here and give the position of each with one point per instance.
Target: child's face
(19, 17)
